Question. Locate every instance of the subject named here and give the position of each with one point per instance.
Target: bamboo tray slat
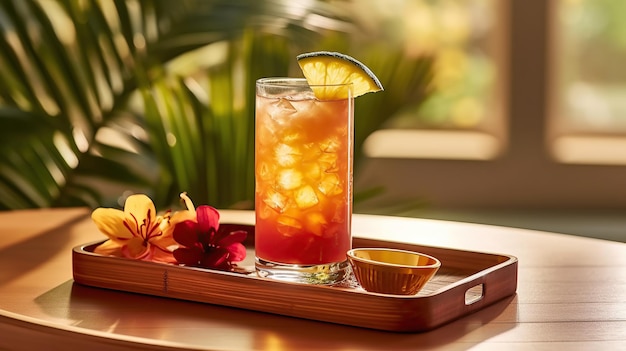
(466, 282)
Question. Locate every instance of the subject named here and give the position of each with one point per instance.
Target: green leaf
(158, 95)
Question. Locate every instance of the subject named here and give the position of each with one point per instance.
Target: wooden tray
(466, 282)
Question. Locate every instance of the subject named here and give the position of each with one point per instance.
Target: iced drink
(303, 173)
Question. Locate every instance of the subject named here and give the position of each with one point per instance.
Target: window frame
(526, 175)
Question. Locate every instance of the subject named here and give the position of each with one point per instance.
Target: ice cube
(292, 135)
(311, 152)
(312, 171)
(289, 179)
(275, 201)
(330, 184)
(330, 145)
(265, 171)
(264, 211)
(281, 110)
(287, 155)
(265, 134)
(305, 197)
(283, 106)
(315, 223)
(328, 162)
(287, 225)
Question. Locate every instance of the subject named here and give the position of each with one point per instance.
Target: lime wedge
(332, 69)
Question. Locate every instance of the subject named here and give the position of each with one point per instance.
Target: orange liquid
(303, 170)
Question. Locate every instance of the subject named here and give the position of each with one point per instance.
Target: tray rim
(82, 250)
(420, 301)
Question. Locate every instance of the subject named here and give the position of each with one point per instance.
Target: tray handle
(489, 286)
(474, 293)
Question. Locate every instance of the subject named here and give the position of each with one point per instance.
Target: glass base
(324, 274)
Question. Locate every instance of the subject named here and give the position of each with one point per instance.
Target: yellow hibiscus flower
(137, 232)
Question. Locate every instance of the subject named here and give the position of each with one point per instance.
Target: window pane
(587, 108)
(462, 34)
(589, 64)
(466, 38)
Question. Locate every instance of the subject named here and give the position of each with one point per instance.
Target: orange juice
(303, 171)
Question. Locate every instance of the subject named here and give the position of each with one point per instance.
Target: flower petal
(217, 258)
(140, 205)
(206, 238)
(188, 256)
(110, 221)
(179, 217)
(141, 217)
(185, 233)
(109, 247)
(164, 242)
(136, 249)
(159, 255)
(232, 237)
(208, 218)
(237, 252)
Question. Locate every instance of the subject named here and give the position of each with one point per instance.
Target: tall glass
(303, 173)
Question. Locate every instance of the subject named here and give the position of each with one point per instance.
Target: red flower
(204, 245)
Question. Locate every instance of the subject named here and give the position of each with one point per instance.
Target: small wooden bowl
(392, 271)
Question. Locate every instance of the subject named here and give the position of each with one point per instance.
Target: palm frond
(155, 95)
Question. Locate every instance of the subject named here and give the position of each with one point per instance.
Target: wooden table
(571, 296)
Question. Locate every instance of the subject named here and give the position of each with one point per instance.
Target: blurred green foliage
(99, 99)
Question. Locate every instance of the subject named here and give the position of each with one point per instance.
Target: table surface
(571, 296)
